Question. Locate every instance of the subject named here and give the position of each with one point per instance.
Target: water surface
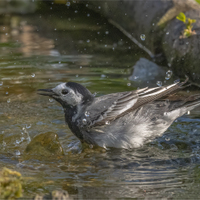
(71, 43)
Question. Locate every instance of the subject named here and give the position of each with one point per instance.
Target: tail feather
(178, 109)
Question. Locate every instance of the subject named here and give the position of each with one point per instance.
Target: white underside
(133, 131)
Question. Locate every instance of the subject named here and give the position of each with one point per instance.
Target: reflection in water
(59, 45)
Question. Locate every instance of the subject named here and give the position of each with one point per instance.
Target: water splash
(28, 126)
(17, 153)
(33, 75)
(94, 94)
(51, 100)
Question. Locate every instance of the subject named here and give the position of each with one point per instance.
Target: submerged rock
(45, 144)
(147, 72)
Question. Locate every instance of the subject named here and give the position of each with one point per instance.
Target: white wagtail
(120, 120)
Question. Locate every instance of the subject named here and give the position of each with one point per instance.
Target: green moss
(10, 184)
(187, 32)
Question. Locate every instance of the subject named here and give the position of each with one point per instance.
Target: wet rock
(147, 72)
(183, 53)
(143, 17)
(45, 144)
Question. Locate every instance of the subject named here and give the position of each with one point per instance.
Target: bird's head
(68, 94)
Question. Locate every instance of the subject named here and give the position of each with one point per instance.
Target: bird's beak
(46, 92)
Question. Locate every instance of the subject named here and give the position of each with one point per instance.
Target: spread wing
(110, 107)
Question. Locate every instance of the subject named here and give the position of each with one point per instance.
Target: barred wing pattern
(122, 103)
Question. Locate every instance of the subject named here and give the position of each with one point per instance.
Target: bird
(121, 120)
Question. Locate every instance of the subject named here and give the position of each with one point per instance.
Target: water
(51, 47)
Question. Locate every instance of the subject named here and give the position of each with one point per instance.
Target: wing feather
(129, 101)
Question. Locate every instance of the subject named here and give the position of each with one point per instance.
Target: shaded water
(63, 44)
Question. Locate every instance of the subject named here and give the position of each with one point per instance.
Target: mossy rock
(45, 144)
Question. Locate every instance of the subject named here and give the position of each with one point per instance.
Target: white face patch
(71, 97)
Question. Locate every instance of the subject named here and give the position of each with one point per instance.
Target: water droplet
(142, 37)
(168, 74)
(84, 121)
(6, 92)
(55, 29)
(87, 114)
(28, 126)
(159, 83)
(169, 64)
(76, 11)
(167, 139)
(188, 112)
(107, 123)
(88, 15)
(88, 41)
(95, 94)
(80, 67)
(167, 33)
(18, 142)
(107, 32)
(77, 75)
(67, 4)
(17, 153)
(1, 83)
(128, 84)
(33, 75)
(23, 129)
(51, 100)
(8, 101)
(103, 76)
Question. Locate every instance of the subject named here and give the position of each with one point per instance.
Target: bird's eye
(65, 91)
